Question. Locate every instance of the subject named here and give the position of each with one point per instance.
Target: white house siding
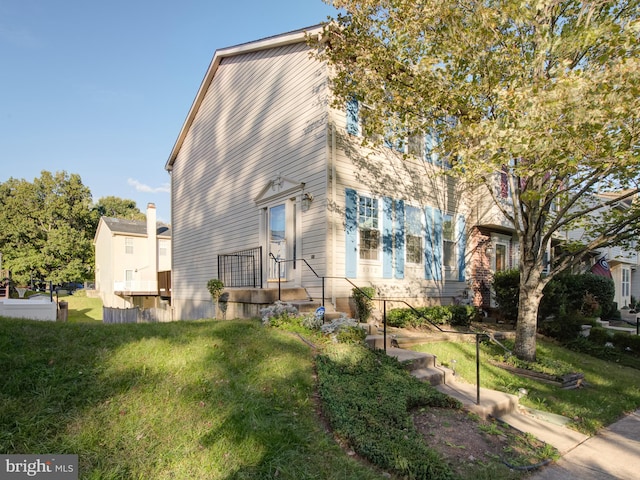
(415, 183)
(263, 115)
(104, 263)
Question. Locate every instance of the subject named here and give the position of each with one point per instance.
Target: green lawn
(82, 308)
(186, 400)
(236, 400)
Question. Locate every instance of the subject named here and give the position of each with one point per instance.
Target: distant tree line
(47, 227)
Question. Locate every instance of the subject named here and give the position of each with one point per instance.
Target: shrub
(506, 285)
(312, 321)
(401, 318)
(364, 305)
(603, 289)
(460, 315)
(554, 301)
(344, 330)
(599, 336)
(351, 334)
(279, 313)
(215, 288)
(627, 343)
(563, 327)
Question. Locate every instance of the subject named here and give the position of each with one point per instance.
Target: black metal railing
(384, 300)
(241, 269)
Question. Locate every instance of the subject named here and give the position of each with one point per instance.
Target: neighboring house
(264, 168)
(133, 262)
(621, 264)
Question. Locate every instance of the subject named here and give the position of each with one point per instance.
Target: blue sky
(101, 89)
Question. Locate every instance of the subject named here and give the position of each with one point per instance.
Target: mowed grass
(185, 400)
(82, 308)
(610, 390)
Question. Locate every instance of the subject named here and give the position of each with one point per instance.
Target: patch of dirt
(469, 443)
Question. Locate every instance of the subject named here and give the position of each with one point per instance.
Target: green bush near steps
(455, 315)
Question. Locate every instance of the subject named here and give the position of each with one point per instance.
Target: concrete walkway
(612, 454)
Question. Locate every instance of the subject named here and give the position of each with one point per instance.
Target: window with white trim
(163, 248)
(449, 242)
(128, 245)
(625, 284)
(414, 235)
(368, 227)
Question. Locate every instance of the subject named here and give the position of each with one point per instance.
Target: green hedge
(567, 294)
(458, 315)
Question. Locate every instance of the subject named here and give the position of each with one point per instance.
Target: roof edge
(283, 39)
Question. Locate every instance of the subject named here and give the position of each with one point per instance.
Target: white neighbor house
(129, 256)
(265, 168)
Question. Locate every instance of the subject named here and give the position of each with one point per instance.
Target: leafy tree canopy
(117, 207)
(47, 227)
(545, 92)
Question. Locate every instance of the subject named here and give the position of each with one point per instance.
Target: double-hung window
(449, 243)
(368, 227)
(626, 282)
(414, 235)
(128, 245)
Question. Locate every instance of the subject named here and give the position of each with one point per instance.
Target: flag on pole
(601, 267)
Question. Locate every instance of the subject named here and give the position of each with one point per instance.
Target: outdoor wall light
(489, 249)
(307, 198)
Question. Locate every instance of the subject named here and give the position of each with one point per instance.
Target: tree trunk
(526, 328)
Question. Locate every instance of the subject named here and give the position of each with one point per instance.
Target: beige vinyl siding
(259, 119)
(414, 181)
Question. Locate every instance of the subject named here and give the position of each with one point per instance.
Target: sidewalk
(612, 454)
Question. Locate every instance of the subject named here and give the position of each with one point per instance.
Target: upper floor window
(163, 248)
(368, 227)
(397, 138)
(128, 245)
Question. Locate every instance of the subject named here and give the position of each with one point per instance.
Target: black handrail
(384, 315)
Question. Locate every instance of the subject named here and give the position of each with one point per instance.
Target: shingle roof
(136, 227)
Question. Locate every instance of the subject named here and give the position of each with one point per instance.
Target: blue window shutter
(437, 245)
(353, 107)
(400, 244)
(351, 234)
(462, 247)
(387, 238)
(428, 243)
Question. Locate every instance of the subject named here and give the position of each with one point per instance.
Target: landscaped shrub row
(586, 294)
(458, 315)
(622, 341)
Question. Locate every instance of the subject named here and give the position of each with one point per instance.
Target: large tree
(117, 207)
(546, 93)
(47, 228)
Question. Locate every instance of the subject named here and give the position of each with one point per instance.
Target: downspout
(332, 161)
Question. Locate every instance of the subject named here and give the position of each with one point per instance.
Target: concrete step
(413, 360)
(492, 403)
(434, 375)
